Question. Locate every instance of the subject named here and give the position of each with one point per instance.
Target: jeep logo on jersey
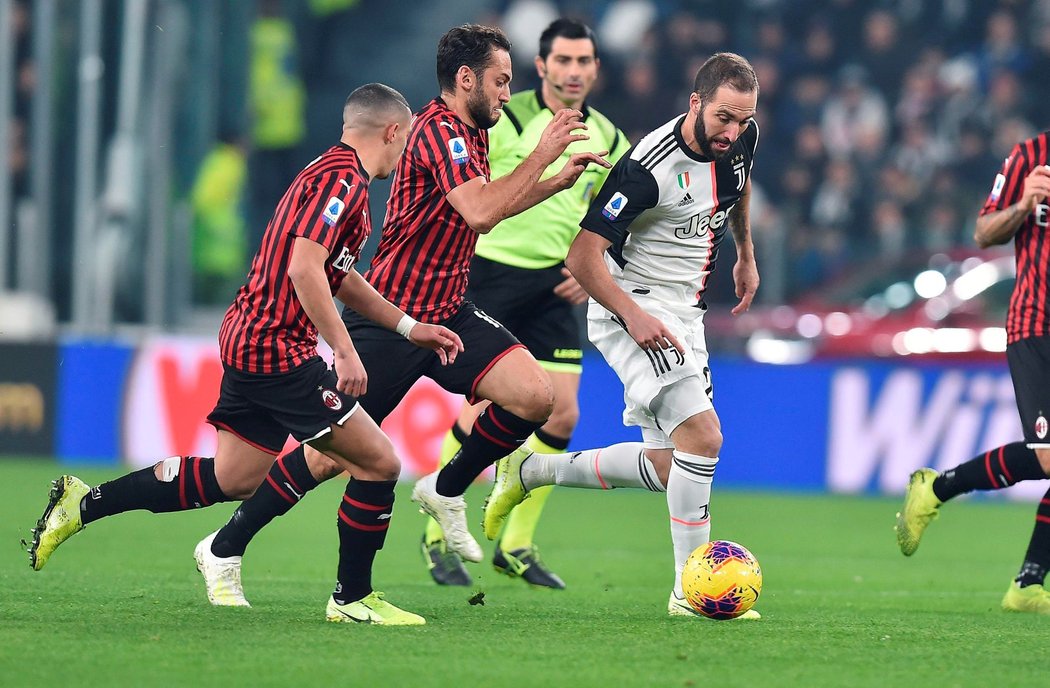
(458, 148)
(617, 203)
(332, 210)
(700, 224)
(331, 399)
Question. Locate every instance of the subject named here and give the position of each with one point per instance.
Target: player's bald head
(374, 106)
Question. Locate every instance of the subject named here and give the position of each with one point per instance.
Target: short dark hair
(724, 69)
(375, 96)
(565, 28)
(470, 45)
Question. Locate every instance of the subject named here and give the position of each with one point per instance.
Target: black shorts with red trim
(525, 302)
(263, 409)
(1029, 360)
(394, 364)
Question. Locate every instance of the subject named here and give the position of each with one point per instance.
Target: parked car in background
(934, 306)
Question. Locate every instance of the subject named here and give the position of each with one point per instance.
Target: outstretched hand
(561, 131)
(443, 341)
(576, 165)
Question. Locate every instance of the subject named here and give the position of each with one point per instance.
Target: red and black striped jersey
(266, 329)
(1030, 301)
(424, 253)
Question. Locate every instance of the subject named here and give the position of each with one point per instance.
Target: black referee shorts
(394, 364)
(525, 302)
(263, 409)
(1029, 361)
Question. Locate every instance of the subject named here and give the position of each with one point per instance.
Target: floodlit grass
(122, 604)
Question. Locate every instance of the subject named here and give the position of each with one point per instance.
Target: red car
(944, 306)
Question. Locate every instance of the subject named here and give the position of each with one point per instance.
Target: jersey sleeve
(331, 199)
(629, 191)
(1009, 182)
(447, 150)
(617, 147)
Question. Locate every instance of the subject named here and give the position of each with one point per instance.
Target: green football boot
(371, 609)
(507, 491)
(61, 519)
(920, 507)
(1033, 599)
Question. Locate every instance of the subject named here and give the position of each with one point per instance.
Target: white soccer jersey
(665, 208)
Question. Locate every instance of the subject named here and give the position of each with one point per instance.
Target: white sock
(621, 465)
(688, 499)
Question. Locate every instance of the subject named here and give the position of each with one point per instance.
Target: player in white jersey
(649, 246)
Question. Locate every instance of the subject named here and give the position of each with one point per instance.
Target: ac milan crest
(331, 399)
(1040, 427)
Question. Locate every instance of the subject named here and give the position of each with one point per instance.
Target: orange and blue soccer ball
(721, 580)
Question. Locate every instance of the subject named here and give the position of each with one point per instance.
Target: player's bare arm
(306, 271)
(586, 262)
(745, 271)
(999, 227)
(483, 204)
(358, 294)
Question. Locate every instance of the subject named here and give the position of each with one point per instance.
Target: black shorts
(263, 409)
(394, 364)
(525, 302)
(1029, 361)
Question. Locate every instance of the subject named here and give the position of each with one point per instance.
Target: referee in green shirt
(519, 278)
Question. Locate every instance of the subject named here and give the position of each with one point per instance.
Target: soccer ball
(721, 580)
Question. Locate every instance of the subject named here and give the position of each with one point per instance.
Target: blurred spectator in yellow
(220, 248)
(278, 109)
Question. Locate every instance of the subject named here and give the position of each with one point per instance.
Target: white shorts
(661, 389)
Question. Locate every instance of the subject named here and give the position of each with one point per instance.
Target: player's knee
(535, 401)
(386, 467)
(702, 441)
(546, 397)
(543, 403)
(377, 460)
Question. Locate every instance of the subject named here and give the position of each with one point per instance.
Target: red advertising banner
(174, 382)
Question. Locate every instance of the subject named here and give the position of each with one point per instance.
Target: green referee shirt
(540, 237)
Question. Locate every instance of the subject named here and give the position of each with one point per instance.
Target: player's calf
(177, 483)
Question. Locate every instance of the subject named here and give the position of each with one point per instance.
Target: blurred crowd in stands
(883, 122)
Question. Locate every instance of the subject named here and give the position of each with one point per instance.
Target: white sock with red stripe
(621, 465)
(688, 497)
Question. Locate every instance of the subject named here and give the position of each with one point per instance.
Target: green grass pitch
(122, 605)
